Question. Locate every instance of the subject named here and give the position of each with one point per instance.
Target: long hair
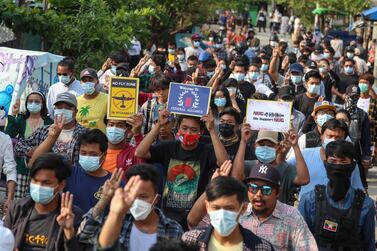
(43, 111)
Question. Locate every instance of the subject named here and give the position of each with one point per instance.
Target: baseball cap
(265, 172)
(286, 92)
(352, 90)
(195, 37)
(268, 135)
(350, 49)
(296, 67)
(324, 105)
(89, 72)
(66, 97)
(311, 64)
(6, 239)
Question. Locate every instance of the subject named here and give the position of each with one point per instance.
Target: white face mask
(140, 209)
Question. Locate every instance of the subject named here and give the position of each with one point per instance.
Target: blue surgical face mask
(151, 69)
(181, 57)
(254, 75)
(220, 102)
(41, 194)
(88, 87)
(171, 51)
(64, 79)
(210, 74)
(296, 79)
(115, 135)
(322, 69)
(348, 70)
(326, 142)
(196, 44)
(264, 67)
(223, 221)
(326, 55)
(265, 154)
(89, 163)
(239, 76)
(322, 119)
(363, 87)
(68, 115)
(34, 107)
(349, 55)
(113, 69)
(314, 89)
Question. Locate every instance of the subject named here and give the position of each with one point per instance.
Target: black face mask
(339, 179)
(226, 130)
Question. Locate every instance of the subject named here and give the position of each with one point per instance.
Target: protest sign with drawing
(190, 100)
(269, 115)
(123, 95)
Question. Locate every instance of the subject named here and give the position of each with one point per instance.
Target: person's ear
(61, 185)
(207, 205)
(156, 199)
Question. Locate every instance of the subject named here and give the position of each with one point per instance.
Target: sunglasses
(254, 188)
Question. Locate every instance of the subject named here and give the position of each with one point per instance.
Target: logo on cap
(354, 89)
(86, 72)
(263, 169)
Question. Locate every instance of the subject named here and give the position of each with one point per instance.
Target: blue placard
(189, 99)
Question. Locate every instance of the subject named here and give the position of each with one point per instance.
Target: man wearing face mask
(274, 43)
(187, 162)
(332, 130)
(328, 76)
(346, 78)
(67, 83)
(239, 74)
(92, 106)
(359, 130)
(134, 222)
(61, 137)
(109, 69)
(269, 149)
(340, 216)
(47, 220)
(254, 77)
(88, 172)
(225, 203)
(195, 48)
(230, 121)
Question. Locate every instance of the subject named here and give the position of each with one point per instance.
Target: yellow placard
(123, 97)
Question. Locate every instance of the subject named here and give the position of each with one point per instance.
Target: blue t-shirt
(86, 189)
(317, 170)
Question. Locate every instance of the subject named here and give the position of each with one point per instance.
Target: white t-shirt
(140, 241)
(189, 51)
(55, 89)
(363, 103)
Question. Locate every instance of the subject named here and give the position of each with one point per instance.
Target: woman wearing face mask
(182, 59)
(220, 100)
(22, 125)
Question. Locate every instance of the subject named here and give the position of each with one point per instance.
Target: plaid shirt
(91, 227)
(201, 238)
(372, 114)
(23, 146)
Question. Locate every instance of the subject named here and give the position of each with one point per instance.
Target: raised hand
(136, 121)
(16, 107)
(106, 65)
(55, 129)
(110, 185)
(66, 216)
(292, 137)
(163, 117)
(246, 132)
(224, 169)
(209, 121)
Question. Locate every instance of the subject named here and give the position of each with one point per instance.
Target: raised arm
(274, 65)
(239, 166)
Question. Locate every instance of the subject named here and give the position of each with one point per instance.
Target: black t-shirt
(329, 81)
(305, 104)
(247, 89)
(35, 237)
(298, 89)
(187, 174)
(232, 151)
(344, 81)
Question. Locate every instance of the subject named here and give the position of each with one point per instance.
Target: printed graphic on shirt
(182, 182)
(35, 240)
(85, 112)
(98, 194)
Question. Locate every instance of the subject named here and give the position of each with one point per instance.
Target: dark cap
(311, 64)
(296, 67)
(350, 49)
(274, 37)
(352, 90)
(195, 37)
(66, 97)
(265, 172)
(89, 72)
(286, 92)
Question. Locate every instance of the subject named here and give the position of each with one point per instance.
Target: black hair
(173, 245)
(159, 59)
(226, 186)
(181, 49)
(325, 60)
(67, 62)
(52, 161)
(180, 118)
(159, 81)
(259, 96)
(344, 111)
(330, 49)
(312, 74)
(302, 59)
(118, 57)
(106, 121)
(368, 77)
(146, 172)
(227, 97)
(209, 64)
(192, 58)
(230, 82)
(232, 112)
(240, 63)
(349, 60)
(264, 57)
(44, 111)
(333, 124)
(94, 136)
(256, 61)
(341, 149)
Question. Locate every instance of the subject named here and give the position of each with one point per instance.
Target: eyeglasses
(254, 188)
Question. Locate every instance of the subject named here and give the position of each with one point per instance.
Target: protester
(23, 125)
(340, 216)
(195, 49)
(346, 78)
(47, 220)
(67, 83)
(109, 69)
(92, 105)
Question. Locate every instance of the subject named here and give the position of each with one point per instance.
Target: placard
(189, 99)
(122, 98)
(269, 115)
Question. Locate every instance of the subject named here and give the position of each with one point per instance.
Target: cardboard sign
(269, 115)
(123, 95)
(190, 100)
